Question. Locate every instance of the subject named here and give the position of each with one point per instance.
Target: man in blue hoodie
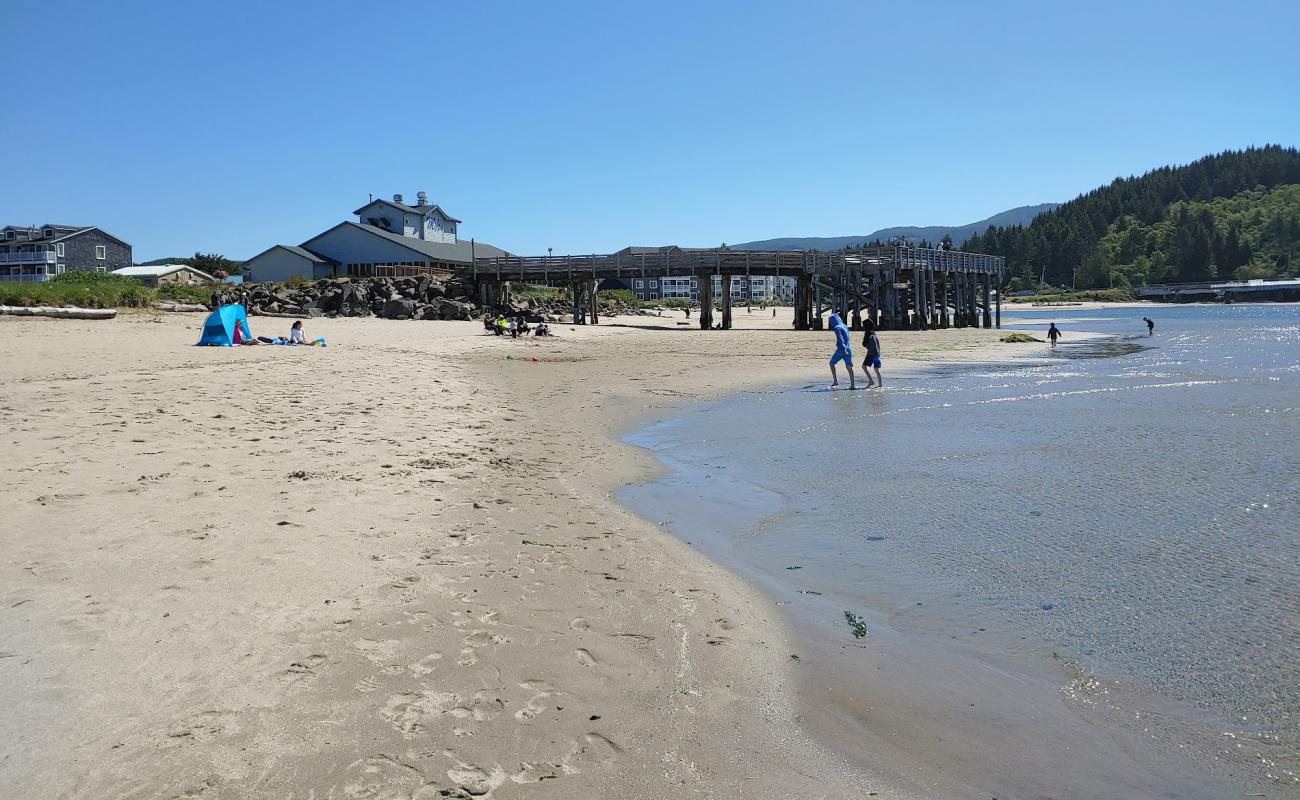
(842, 353)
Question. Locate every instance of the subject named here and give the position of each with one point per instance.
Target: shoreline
(404, 537)
(1076, 735)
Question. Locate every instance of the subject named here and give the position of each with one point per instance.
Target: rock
(398, 309)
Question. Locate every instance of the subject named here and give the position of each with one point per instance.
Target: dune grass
(95, 290)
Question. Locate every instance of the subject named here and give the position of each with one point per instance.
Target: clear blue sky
(587, 126)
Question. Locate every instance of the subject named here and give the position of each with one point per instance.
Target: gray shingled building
(389, 238)
(36, 254)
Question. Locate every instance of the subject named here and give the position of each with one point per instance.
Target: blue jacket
(841, 333)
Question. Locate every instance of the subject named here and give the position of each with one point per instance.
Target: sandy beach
(389, 568)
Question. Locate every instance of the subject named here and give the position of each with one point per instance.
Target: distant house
(389, 238)
(37, 254)
(166, 273)
(754, 288)
(284, 261)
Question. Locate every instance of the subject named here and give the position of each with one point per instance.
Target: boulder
(398, 309)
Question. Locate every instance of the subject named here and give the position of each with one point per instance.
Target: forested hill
(1232, 215)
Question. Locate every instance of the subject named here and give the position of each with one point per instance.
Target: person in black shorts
(872, 360)
(1053, 333)
(1151, 326)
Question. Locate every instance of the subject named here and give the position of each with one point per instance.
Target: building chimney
(397, 198)
(421, 198)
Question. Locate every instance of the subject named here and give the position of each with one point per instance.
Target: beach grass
(81, 289)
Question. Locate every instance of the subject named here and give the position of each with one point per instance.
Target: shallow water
(1130, 503)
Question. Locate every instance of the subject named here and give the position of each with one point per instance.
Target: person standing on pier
(1151, 326)
(1053, 333)
(872, 361)
(843, 352)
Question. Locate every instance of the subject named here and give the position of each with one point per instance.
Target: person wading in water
(843, 352)
(1053, 333)
(872, 361)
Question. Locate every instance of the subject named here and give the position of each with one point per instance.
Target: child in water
(843, 352)
(872, 360)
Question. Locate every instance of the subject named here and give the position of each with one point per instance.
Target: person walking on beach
(1151, 326)
(872, 361)
(1053, 333)
(843, 352)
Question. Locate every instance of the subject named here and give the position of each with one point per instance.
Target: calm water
(1131, 502)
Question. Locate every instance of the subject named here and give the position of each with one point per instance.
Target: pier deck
(895, 286)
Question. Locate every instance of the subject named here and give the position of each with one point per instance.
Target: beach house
(744, 288)
(389, 237)
(157, 274)
(36, 254)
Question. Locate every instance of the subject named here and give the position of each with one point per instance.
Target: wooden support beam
(726, 302)
(934, 301)
(875, 297)
(988, 308)
(959, 299)
(856, 278)
(803, 302)
(998, 323)
(594, 296)
(706, 302)
(943, 299)
(923, 299)
(817, 307)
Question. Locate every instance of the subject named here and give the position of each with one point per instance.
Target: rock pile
(423, 297)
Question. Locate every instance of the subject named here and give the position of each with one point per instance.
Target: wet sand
(390, 568)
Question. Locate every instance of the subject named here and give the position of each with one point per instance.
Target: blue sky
(587, 126)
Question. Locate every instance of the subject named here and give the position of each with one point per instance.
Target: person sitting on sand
(872, 360)
(1053, 333)
(296, 333)
(502, 325)
(541, 330)
(843, 352)
(239, 335)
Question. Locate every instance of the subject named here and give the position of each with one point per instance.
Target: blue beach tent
(220, 327)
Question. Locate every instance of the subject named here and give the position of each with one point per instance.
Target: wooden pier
(896, 287)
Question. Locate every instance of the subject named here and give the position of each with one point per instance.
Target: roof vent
(421, 198)
(397, 198)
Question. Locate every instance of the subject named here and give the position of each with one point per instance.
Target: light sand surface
(390, 568)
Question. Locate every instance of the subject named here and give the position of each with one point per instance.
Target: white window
(58, 248)
(654, 284)
(640, 284)
(101, 252)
